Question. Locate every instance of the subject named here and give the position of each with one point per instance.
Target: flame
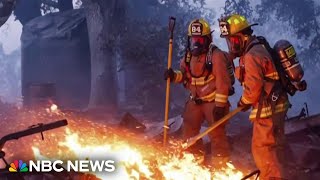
(137, 157)
(136, 160)
(53, 109)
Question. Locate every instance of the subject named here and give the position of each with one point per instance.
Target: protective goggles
(234, 44)
(199, 40)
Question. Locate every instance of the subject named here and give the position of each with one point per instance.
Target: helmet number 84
(196, 29)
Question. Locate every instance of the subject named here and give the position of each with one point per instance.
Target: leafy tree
(27, 10)
(302, 16)
(242, 7)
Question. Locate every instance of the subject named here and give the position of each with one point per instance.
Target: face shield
(234, 45)
(199, 44)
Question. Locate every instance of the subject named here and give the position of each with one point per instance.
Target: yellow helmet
(233, 24)
(199, 27)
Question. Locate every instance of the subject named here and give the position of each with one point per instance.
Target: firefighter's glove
(245, 106)
(169, 73)
(218, 113)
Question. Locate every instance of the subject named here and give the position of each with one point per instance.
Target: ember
(136, 156)
(137, 161)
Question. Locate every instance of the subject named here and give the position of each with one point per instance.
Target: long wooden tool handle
(166, 114)
(194, 139)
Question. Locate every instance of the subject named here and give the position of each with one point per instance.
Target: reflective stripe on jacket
(266, 111)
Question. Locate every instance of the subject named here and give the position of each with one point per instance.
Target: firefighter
(207, 73)
(261, 90)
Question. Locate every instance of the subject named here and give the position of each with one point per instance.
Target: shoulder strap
(275, 60)
(277, 87)
(212, 48)
(188, 56)
(251, 45)
(187, 59)
(209, 62)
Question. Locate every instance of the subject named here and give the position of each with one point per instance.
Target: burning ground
(137, 156)
(140, 155)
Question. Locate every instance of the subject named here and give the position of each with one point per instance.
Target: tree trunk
(102, 17)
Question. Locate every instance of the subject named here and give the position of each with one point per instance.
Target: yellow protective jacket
(203, 84)
(258, 75)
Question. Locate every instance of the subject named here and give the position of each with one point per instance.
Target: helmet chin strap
(199, 52)
(204, 49)
(245, 42)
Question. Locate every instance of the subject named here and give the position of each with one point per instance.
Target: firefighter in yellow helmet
(207, 73)
(261, 91)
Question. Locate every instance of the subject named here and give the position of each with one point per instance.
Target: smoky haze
(273, 29)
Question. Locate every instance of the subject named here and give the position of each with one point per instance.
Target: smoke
(10, 35)
(10, 65)
(10, 73)
(274, 29)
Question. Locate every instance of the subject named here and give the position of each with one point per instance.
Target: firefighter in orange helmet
(207, 73)
(261, 90)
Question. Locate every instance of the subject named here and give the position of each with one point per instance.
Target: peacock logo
(18, 166)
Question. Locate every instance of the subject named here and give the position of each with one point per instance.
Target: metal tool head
(172, 22)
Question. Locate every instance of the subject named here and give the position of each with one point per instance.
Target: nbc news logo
(18, 166)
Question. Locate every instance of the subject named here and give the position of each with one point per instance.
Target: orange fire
(53, 109)
(139, 162)
(136, 156)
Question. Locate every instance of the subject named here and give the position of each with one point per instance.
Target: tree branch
(50, 3)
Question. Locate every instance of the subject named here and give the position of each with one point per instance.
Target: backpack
(284, 58)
